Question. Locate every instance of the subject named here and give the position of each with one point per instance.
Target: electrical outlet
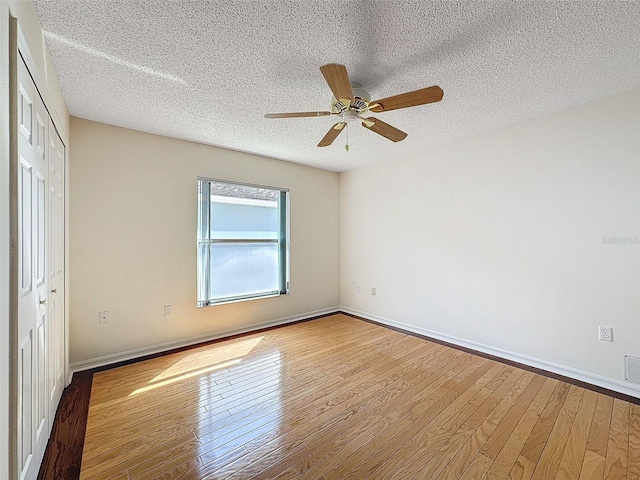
(167, 310)
(374, 291)
(103, 317)
(357, 288)
(605, 333)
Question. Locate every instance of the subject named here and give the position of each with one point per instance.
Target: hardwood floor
(337, 398)
(63, 456)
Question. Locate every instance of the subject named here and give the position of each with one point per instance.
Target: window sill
(241, 299)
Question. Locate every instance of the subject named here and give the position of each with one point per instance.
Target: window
(243, 241)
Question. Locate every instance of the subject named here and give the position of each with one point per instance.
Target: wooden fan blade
(332, 134)
(409, 99)
(297, 114)
(338, 80)
(384, 129)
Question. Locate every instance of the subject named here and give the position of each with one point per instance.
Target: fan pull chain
(346, 144)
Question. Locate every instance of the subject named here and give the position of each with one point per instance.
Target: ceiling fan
(351, 103)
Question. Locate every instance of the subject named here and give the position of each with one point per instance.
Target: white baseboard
(163, 347)
(581, 375)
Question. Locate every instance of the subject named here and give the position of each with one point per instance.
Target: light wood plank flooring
(339, 397)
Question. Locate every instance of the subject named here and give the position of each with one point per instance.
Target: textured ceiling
(208, 71)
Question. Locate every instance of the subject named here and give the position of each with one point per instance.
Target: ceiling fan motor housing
(361, 100)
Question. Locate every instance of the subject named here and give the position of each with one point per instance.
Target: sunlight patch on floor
(207, 360)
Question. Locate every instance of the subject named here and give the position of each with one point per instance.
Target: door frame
(13, 235)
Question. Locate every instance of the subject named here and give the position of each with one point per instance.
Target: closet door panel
(56, 154)
(27, 257)
(34, 231)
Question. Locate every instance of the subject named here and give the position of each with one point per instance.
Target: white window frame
(204, 241)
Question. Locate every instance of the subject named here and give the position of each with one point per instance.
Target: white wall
(133, 247)
(40, 64)
(496, 241)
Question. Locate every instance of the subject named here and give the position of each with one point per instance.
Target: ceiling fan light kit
(352, 103)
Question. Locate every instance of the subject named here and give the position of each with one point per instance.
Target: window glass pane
(243, 221)
(243, 269)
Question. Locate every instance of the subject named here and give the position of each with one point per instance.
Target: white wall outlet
(357, 288)
(605, 333)
(374, 291)
(103, 317)
(167, 310)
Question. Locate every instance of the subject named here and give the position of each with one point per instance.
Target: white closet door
(56, 270)
(41, 250)
(33, 280)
